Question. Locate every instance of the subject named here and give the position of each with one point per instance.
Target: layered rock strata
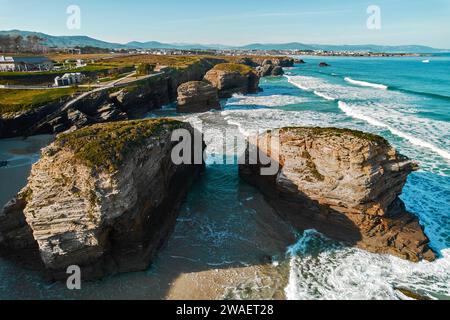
(231, 78)
(197, 96)
(104, 198)
(343, 183)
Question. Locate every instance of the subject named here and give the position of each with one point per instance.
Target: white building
(68, 79)
(25, 64)
(6, 64)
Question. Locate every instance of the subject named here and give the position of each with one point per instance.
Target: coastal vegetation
(144, 69)
(24, 100)
(176, 62)
(337, 132)
(234, 67)
(105, 146)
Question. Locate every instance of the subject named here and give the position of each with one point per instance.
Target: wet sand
(20, 154)
(253, 282)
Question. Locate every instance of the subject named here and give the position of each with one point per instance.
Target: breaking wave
(324, 269)
(355, 113)
(265, 101)
(366, 84)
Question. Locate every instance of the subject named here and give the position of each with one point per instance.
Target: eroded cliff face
(255, 61)
(104, 198)
(15, 124)
(345, 184)
(231, 78)
(197, 96)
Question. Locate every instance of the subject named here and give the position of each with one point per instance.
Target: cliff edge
(104, 197)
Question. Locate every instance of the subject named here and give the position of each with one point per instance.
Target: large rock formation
(197, 96)
(104, 198)
(16, 123)
(131, 101)
(230, 78)
(284, 62)
(269, 69)
(16, 238)
(343, 183)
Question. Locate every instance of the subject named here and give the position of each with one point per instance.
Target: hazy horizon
(239, 22)
(228, 45)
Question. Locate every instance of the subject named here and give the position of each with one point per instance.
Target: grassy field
(88, 68)
(61, 57)
(22, 100)
(178, 62)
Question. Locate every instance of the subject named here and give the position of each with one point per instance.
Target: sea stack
(231, 78)
(197, 96)
(104, 197)
(343, 183)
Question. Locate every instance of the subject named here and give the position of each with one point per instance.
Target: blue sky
(238, 22)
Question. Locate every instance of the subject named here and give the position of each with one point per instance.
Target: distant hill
(366, 48)
(66, 41)
(160, 45)
(84, 41)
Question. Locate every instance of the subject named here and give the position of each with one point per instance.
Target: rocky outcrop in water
(269, 69)
(104, 198)
(284, 62)
(231, 78)
(197, 96)
(345, 184)
(323, 64)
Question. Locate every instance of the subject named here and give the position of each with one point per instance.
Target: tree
(4, 43)
(18, 43)
(144, 68)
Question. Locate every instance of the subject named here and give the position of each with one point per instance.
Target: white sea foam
(383, 109)
(251, 121)
(265, 101)
(323, 95)
(356, 113)
(335, 91)
(366, 84)
(323, 269)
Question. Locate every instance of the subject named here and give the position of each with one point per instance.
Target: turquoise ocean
(225, 223)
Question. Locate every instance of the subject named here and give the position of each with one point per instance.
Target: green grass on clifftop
(23, 100)
(341, 132)
(234, 67)
(105, 146)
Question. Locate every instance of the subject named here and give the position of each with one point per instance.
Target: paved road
(122, 82)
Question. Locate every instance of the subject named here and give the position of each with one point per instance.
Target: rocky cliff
(104, 197)
(255, 61)
(15, 124)
(269, 69)
(345, 184)
(230, 78)
(155, 92)
(197, 96)
(129, 102)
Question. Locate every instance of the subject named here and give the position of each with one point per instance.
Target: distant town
(39, 63)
